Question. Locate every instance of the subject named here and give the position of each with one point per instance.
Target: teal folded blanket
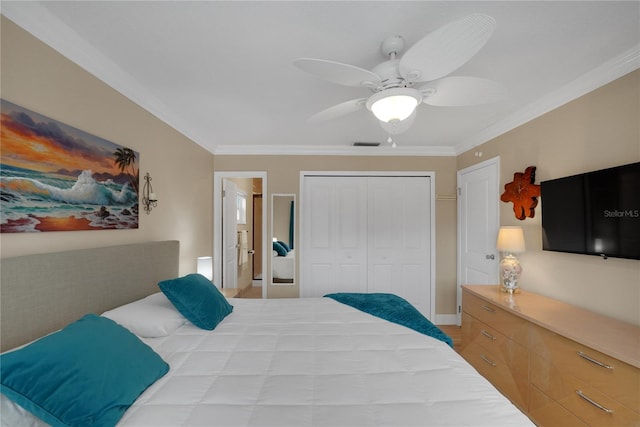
(394, 309)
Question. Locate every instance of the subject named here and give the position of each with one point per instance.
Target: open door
(257, 237)
(229, 235)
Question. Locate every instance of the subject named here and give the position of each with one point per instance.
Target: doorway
(238, 246)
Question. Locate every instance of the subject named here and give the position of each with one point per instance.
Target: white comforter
(314, 362)
(282, 266)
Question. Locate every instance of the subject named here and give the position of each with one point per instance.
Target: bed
(280, 362)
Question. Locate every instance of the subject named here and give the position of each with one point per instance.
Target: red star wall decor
(523, 193)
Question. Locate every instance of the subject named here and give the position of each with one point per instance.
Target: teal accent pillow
(285, 246)
(197, 299)
(87, 374)
(279, 249)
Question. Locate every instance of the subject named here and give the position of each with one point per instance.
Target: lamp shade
(510, 239)
(205, 266)
(394, 104)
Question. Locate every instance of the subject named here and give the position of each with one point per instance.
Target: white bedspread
(314, 362)
(282, 266)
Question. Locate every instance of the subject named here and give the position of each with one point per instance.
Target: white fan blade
(337, 72)
(339, 110)
(396, 127)
(447, 48)
(457, 91)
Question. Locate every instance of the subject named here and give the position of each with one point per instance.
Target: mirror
(283, 253)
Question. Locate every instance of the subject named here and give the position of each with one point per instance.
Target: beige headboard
(42, 293)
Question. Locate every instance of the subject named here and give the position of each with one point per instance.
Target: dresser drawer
(610, 376)
(546, 412)
(475, 331)
(505, 366)
(511, 326)
(582, 399)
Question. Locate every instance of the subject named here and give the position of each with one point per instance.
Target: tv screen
(595, 213)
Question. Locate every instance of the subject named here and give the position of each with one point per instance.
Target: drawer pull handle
(594, 361)
(593, 402)
(487, 334)
(486, 359)
(489, 309)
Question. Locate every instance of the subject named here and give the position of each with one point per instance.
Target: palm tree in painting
(126, 161)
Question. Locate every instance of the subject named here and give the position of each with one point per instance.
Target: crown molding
(333, 150)
(588, 82)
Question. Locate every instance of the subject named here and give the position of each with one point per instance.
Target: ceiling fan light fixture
(394, 104)
(396, 127)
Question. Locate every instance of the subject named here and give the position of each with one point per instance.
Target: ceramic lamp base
(512, 291)
(510, 271)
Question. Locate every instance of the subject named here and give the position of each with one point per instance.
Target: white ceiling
(220, 72)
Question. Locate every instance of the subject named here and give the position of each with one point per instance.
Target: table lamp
(205, 266)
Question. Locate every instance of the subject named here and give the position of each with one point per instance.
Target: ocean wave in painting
(85, 190)
(29, 196)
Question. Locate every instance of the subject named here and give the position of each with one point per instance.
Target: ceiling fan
(430, 61)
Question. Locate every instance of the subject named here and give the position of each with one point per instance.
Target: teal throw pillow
(197, 299)
(285, 246)
(279, 249)
(87, 374)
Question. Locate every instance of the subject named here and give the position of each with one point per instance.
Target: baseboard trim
(446, 319)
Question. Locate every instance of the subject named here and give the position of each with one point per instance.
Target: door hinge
(224, 193)
(459, 309)
(459, 191)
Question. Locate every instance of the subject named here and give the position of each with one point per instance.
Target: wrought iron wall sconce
(149, 198)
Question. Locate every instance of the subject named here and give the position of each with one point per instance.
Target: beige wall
(284, 177)
(36, 77)
(596, 131)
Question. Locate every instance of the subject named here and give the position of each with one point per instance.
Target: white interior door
(399, 242)
(229, 234)
(334, 235)
(218, 248)
(478, 223)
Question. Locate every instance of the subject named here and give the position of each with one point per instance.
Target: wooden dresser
(560, 364)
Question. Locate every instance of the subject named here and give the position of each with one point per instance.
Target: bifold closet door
(367, 234)
(399, 238)
(334, 235)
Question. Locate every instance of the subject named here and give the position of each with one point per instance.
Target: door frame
(432, 183)
(217, 219)
(493, 162)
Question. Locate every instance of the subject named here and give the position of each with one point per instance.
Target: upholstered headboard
(42, 293)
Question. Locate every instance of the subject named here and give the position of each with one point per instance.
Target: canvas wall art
(54, 177)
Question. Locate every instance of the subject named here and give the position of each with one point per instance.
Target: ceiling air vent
(366, 144)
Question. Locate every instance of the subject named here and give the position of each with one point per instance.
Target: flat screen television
(594, 213)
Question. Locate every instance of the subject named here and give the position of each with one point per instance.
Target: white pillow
(14, 415)
(150, 317)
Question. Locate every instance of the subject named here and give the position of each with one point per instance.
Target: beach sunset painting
(54, 177)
